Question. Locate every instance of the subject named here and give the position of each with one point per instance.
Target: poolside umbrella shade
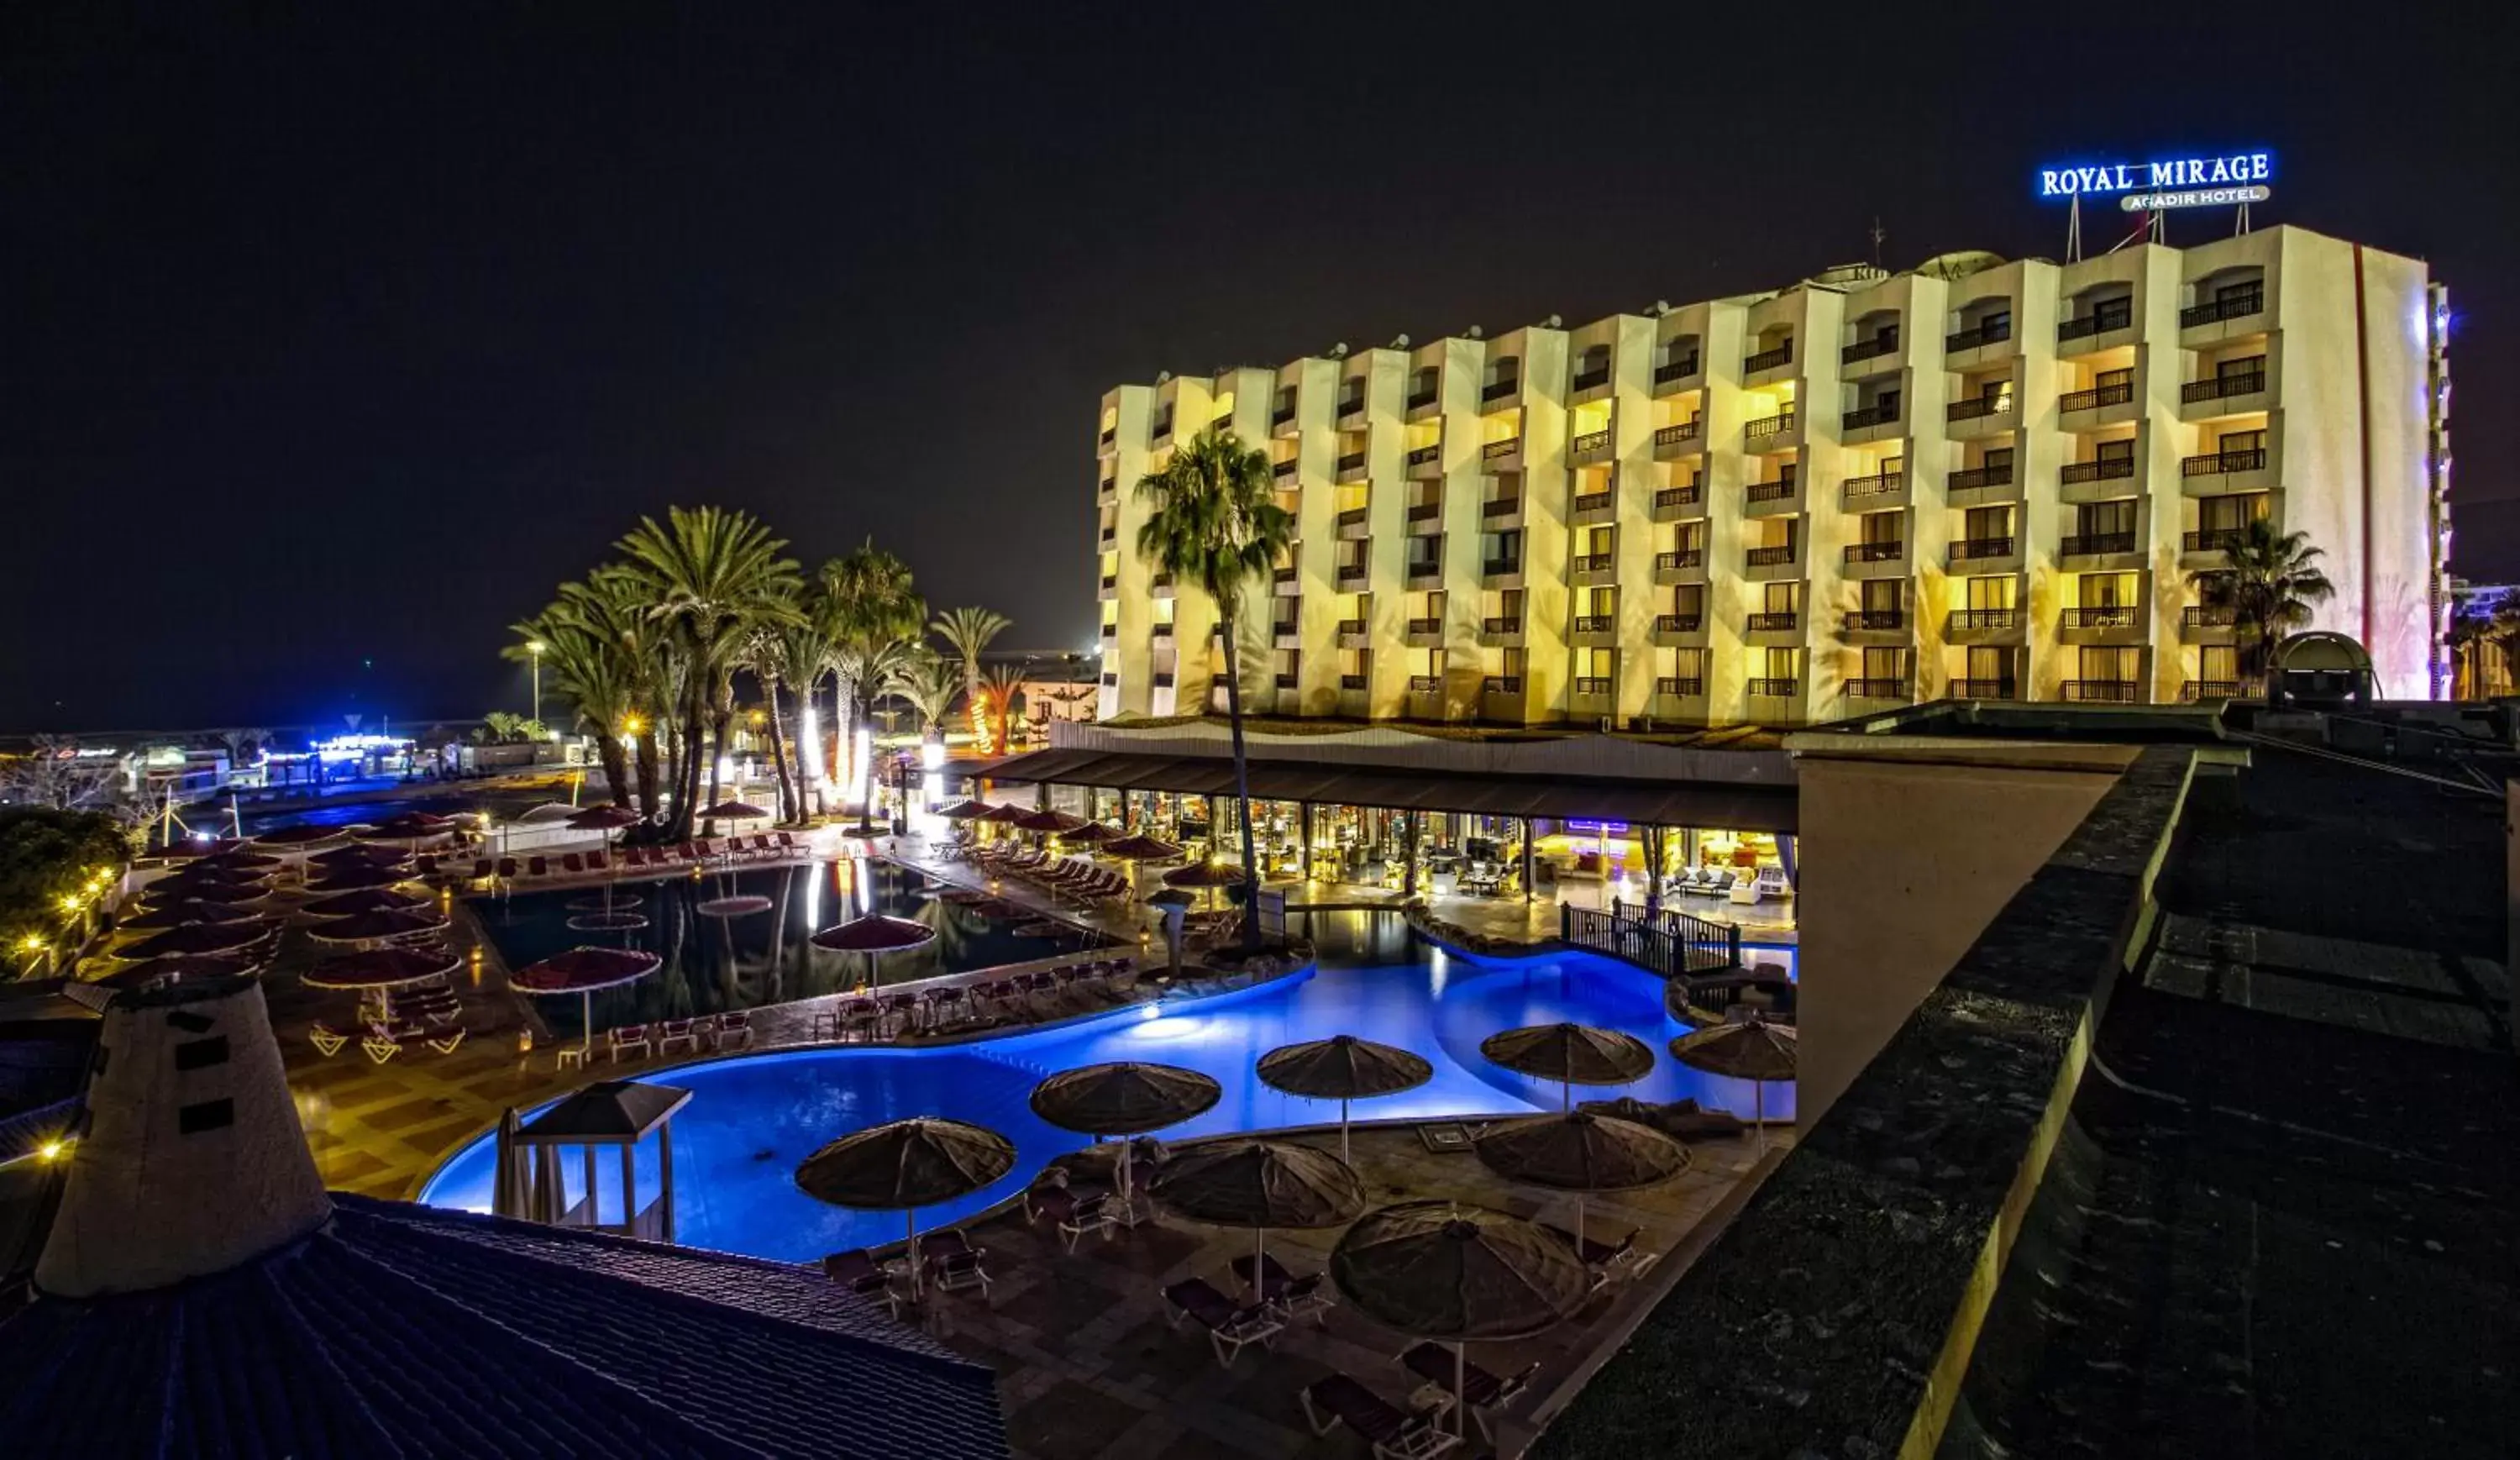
(1091, 833)
(188, 851)
(1141, 849)
(905, 1164)
(965, 811)
(1572, 1054)
(1205, 875)
(299, 836)
(364, 901)
(185, 913)
(1754, 1050)
(362, 855)
(352, 879)
(204, 875)
(1343, 1068)
(1579, 1152)
(1058, 822)
(209, 894)
(615, 818)
(380, 968)
(1123, 1098)
(1260, 1184)
(179, 968)
(582, 971)
(1457, 1274)
(375, 927)
(197, 937)
(1004, 815)
(727, 811)
(873, 934)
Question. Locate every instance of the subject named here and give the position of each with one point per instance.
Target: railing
(1685, 558)
(1110, 630)
(1772, 492)
(2094, 544)
(1775, 689)
(1284, 468)
(1769, 557)
(1678, 623)
(1878, 484)
(1680, 688)
(1586, 380)
(1773, 623)
(1876, 689)
(2194, 690)
(2197, 615)
(1769, 359)
(2121, 616)
(1591, 441)
(1426, 512)
(1160, 631)
(2097, 322)
(1162, 427)
(1353, 517)
(1284, 629)
(2236, 306)
(1351, 572)
(1499, 389)
(1351, 682)
(2116, 392)
(1110, 437)
(1350, 405)
(1593, 686)
(1281, 416)
(1863, 416)
(1419, 401)
(1420, 455)
(1685, 430)
(1501, 684)
(1977, 407)
(1350, 627)
(1495, 450)
(1770, 425)
(1675, 370)
(1426, 625)
(1422, 567)
(1971, 549)
(1283, 575)
(1680, 496)
(1670, 943)
(1507, 624)
(1980, 620)
(1163, 679)
(1425, 684)
(1884, 344)
(1876, 551)
(2103, 691)
(1992, 331)
(1594, 624)
(1594, 502)
(1110, 537)
(2211, 541)
(1875, 620)
(1222, 423)
(1160, 580)
(1973, 479)
(2220, 463)
(1111, 582)
(1500, 506)
(2224, 386)
(1497, 567)
(1353, 460)
(2106, 468)
(1594, 562)
(1985, 689)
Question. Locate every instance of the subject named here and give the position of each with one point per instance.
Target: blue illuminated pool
(752, 1118)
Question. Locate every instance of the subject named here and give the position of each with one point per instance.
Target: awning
(1714, 804)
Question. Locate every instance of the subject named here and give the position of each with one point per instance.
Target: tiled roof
(403, 1330)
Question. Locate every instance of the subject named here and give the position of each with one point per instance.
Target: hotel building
(1974, 479)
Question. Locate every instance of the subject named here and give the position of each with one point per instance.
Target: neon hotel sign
(2171, 182)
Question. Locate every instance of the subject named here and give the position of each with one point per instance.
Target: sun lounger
(537, 867)
(1479, 1388)
(597, 861)
(506, 869)
(953, 1263)
(1088, 1214)
(857, 1270)
(1292, 1296)
(1395, 1434)
(708, 847)
(1601, 1257)
(673, 1031)
(788, 844)
(480, 869)
(735, 1027)
(1229, 1326)
(627, 1039)
(688, 852)
(572, 864)
(328, 1040)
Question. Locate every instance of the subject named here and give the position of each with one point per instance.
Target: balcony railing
(1878, 484)
(1110, 437)
(2222, 463)
(1985, 689)
(2106, 468)
(1160, 580)
(1772, 623)
(1971, 549)
(1981, 620)
(1772, 492)
(1284, 629)
(2116, 392)
(1594, 562)
(1586, 380)
(1419, 401)
(1162, 427)
(1494, 451)
(1284, 468)
(1591, 441)
(1222, 423)
(1426, 625)
(1675, 370)
(1110, 537)
(2224, 386)
(1686, 557)
(1160, 631)
(1769, 557)
(2194, 690)
(1422, 567)
(1775, 689)
(1868, 415)
(2097, 322)
(1283, 575)
(1426, 512)
(1500, 506)
(1689, 688)
(1425, 684)
(1594, 501)
(1351, 682)
(2211, 541)
(1876, 620)
(1770, 425)
(1501, 684)
(2197, 615)
(1351, 626)
(1163, 679)
(1977, 407)
(1499, 389)
(1110, 676)
(1685, 430)
(2121, 616)
(1678, 623)
(1353, 517)
(1972, 478)
(2094, 544)
(1594, 624)
(1111, 582)
(1884, 344)
(1992, 331)
(1351, 572)
(1497, 567)
(1680, 496)
(1110, 630)
(1353, 460)
(1350, 406)
(1281, 415)
(1592, 686)
(1769, 359)
(1422, 455)
(2213, 312)
(1508, 624)
(2103, 691)
(1877, 689)
(1876, 551)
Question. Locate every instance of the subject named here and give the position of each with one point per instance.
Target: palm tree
(931, 683)
(591, 675)
(999, 686)
(2270, 586)
(1214, 520)
(789, 652)
(708, 572)
(968, 631)
(874, 616)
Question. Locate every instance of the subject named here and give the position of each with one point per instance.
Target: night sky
(331, 345)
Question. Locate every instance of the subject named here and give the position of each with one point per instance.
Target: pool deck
(1090, 1366)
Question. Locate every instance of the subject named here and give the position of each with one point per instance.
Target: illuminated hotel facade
(1976, 479)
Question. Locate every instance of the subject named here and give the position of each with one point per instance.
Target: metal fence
(1668, 942)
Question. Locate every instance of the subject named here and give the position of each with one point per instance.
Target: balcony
(1424, 634)
(2194, 690)
(1671, 628)
(1775, 689)
(1985, 549)
(2211, 541)
(1111, 585)
(2106, 468)
(1686, 566)
(2223, 464)
(1351, 574)
(1493, 510)
(1284, 414)
(1786, 621)
(1591, 447)
(1861, 556)
(1867, 417)
(2222, 311)
(1425, 684)
(1884, 344)
(1768, 432)
(1591, 380)
(1501, 684)
(1281, 469)
(2096, 545)
(1683, 440)
(1422, 573)
(2103, 691)
(1420, 401)
(1501, 632)
(1978, 407)
(1351, 682)
(1350, 405)
(1672, 372)
(2115, 393)
(1680, 688)
(1351, 634)
(1593, 569)
(1877, 689)
(1760, 493)
(1161, 430)
(1222, 423)
(1425, 461)
(1877, 622)
(1282, 582)
(1985, 689)
(1675, 502)
(1979, 337)
(2117, 624)
(1595, 507)
(1594, 687)
(1110, 630)
(2203, 624)
(1499, 389)
(1781, 556)
(1971, 484)
(1596, 630)
(2104, 320)
(1108, 441)
(1500, 568)
(1163, 679)
(1769, 359)
(1286, 634)
(1351, 468)
(1111, 538)
(1502, 456)
(1352, 524)
(1284, 682)
(1112, 676)
(1966, 625)
(1423, 513)
(1106, 492)
(2214, 394)
(1873, 490)
(1159, 631)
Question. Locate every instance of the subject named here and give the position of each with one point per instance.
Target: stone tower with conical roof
(194, 1160)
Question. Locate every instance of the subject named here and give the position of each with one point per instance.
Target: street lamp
(534, 651)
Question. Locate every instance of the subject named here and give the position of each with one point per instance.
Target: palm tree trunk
(723, 729)
(688, 789)
(1242, 792)
(778, 757)
(862, 712)
(616, 765)
(644, 748)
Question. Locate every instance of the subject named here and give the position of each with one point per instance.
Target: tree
(1214, 522)
(1000, 685)
(591, 675)
(873, 614)
(868, 665)
(969, 632)
(929, 683)
(803, 656)
(2272, 585)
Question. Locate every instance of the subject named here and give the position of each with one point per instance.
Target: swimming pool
(752, 1118)
(712, 963)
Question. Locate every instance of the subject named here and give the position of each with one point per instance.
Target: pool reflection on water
(752, 1118)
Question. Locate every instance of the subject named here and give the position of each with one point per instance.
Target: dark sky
(332, 343)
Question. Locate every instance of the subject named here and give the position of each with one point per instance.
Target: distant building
(1976, 478)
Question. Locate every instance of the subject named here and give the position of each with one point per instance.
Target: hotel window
(1784, 663)
(2114, 380)
(1998, 462)
(2241, 440)
(1890, 664)
(2121, 449)
(1883, 528)
(2108, 666)
(2111, 518)
(1991, 666)
(1503, 551)
(2239, 367)
(1785, 599)
(1688, 601)
(2112, 312)
(1881, 599)
(1423, 385)
(1987, 524)
(2231, 513)
(1987, 595)
(1690, 539)
(1690, 665)
(2107, 590)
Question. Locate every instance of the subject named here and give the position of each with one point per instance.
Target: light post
(534, 652)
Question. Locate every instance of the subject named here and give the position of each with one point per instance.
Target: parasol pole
(910, 1252)
(1461, 1391)
(1343, 1128)
(585, 1026)
(1759, 1114)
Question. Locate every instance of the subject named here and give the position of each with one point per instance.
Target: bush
(45, 857)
